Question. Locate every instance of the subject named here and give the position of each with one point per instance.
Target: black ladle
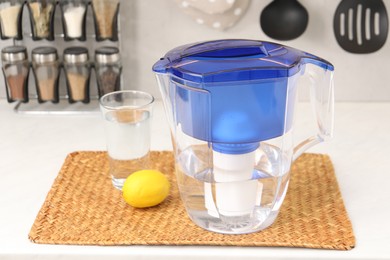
(284, 19)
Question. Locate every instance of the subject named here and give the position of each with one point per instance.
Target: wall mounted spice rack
(60, 77)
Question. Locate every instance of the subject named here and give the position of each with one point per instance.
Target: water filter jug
(230, 105)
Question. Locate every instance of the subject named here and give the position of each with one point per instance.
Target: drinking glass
(127, 115)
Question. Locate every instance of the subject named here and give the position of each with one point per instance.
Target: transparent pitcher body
(231, 193)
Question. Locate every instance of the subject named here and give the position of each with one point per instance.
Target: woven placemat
(83, 208)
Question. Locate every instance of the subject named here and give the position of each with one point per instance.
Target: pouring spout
(312, 59)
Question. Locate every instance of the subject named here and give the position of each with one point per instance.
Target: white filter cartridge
(235, 192)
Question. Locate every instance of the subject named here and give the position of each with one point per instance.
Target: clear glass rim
(146, 94)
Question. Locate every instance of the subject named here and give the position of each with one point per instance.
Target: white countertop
(33, 149)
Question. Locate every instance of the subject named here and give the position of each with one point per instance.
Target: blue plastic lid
(235, 60)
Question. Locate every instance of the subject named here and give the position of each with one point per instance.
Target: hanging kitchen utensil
(216, 14)
(361, 26)
(284, 20)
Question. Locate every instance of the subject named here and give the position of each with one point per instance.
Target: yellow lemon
(145, 188)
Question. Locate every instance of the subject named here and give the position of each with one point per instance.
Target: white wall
(152, 27)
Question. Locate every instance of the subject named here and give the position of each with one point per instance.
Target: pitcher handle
(322, 100)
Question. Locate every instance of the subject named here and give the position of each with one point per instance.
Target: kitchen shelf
(61, 108)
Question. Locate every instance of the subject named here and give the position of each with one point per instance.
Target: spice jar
(108, 69)
(41, 18)
(73, 19)
(105, 13)
(15, 69)
(11, 19)
(77, 71)
(46, 69)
